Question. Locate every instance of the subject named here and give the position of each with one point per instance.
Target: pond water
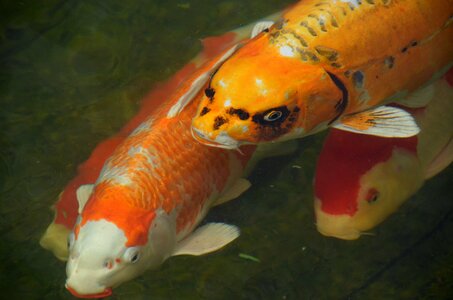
(72, 73)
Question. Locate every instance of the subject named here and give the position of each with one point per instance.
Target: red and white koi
(360, 179)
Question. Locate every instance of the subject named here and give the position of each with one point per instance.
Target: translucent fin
(206, 239)
(55, 239)
(419, 98)
(83, 194)
(384, 121)
(239, 187)
(441, 161)
(270, 150)
(198, 83)
(260, 26)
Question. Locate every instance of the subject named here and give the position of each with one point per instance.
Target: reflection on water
(72, 73)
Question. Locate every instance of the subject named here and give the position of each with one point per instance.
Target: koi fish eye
(273, 116)
(132, 254)
(372, 196)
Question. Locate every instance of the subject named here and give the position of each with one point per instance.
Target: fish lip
(107, 292)
(200, 137)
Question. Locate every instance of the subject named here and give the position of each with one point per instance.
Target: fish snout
(84, 287)
(219, 140)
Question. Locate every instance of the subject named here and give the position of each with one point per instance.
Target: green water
(72, 73)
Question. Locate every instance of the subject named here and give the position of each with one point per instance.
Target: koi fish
(66, 207)
(328, 63)
(151, 194)
(361, 179)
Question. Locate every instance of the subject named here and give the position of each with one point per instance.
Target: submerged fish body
(152, 192)
(66, 207)
(361, 179)
(322, 64)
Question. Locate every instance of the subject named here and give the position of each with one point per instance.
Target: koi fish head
(112, 247)
(260, 95)
(362, 180)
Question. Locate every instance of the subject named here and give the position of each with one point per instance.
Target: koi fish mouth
(223, 140)
(107, 292)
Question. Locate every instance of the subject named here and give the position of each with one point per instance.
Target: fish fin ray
(419, 98)
(83, 194)
(270, 150)
(259, 27)
(207, 238)
(198, 83)
(441, 161)
(384, 121)
(239, 187)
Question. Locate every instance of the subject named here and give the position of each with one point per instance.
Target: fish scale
(199, 171)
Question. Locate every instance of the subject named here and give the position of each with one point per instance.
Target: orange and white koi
(328, 63)
(361, 179)
(152, 192)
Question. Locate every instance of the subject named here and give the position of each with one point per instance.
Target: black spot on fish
(404, 49)
(266, 30)
(204, 111)
(342, 103)
(219, 121)
(358, 79)
(242, 114)
(414, 43)
(209, 92)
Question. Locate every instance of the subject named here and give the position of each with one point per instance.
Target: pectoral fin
(260, 26)
(419, 98)
(83, 194)
(441, 161)
(239, 187)
(384, 121)
(200, 80)
(206, 239)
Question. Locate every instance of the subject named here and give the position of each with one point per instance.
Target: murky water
(72, 73)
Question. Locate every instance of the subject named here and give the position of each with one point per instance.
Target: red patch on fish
(344, 159)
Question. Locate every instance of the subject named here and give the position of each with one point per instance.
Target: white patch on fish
(145, 126)
(355, 3)
(227, 103)
(222, 83)
(287, 51)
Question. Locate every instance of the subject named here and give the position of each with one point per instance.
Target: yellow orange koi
(328, 63)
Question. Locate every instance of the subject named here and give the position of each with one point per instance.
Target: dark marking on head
(269, 130)
(309, 29)
(347, 73)
(341, 105)
(336, 65)
(389, 62)
(358, 79)
(308, 55)
(209, 92)
(204, 111)
(261, 118)
(242, 114)
(414, 43)
(219, 121)
(404, 49)
(329, 53)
